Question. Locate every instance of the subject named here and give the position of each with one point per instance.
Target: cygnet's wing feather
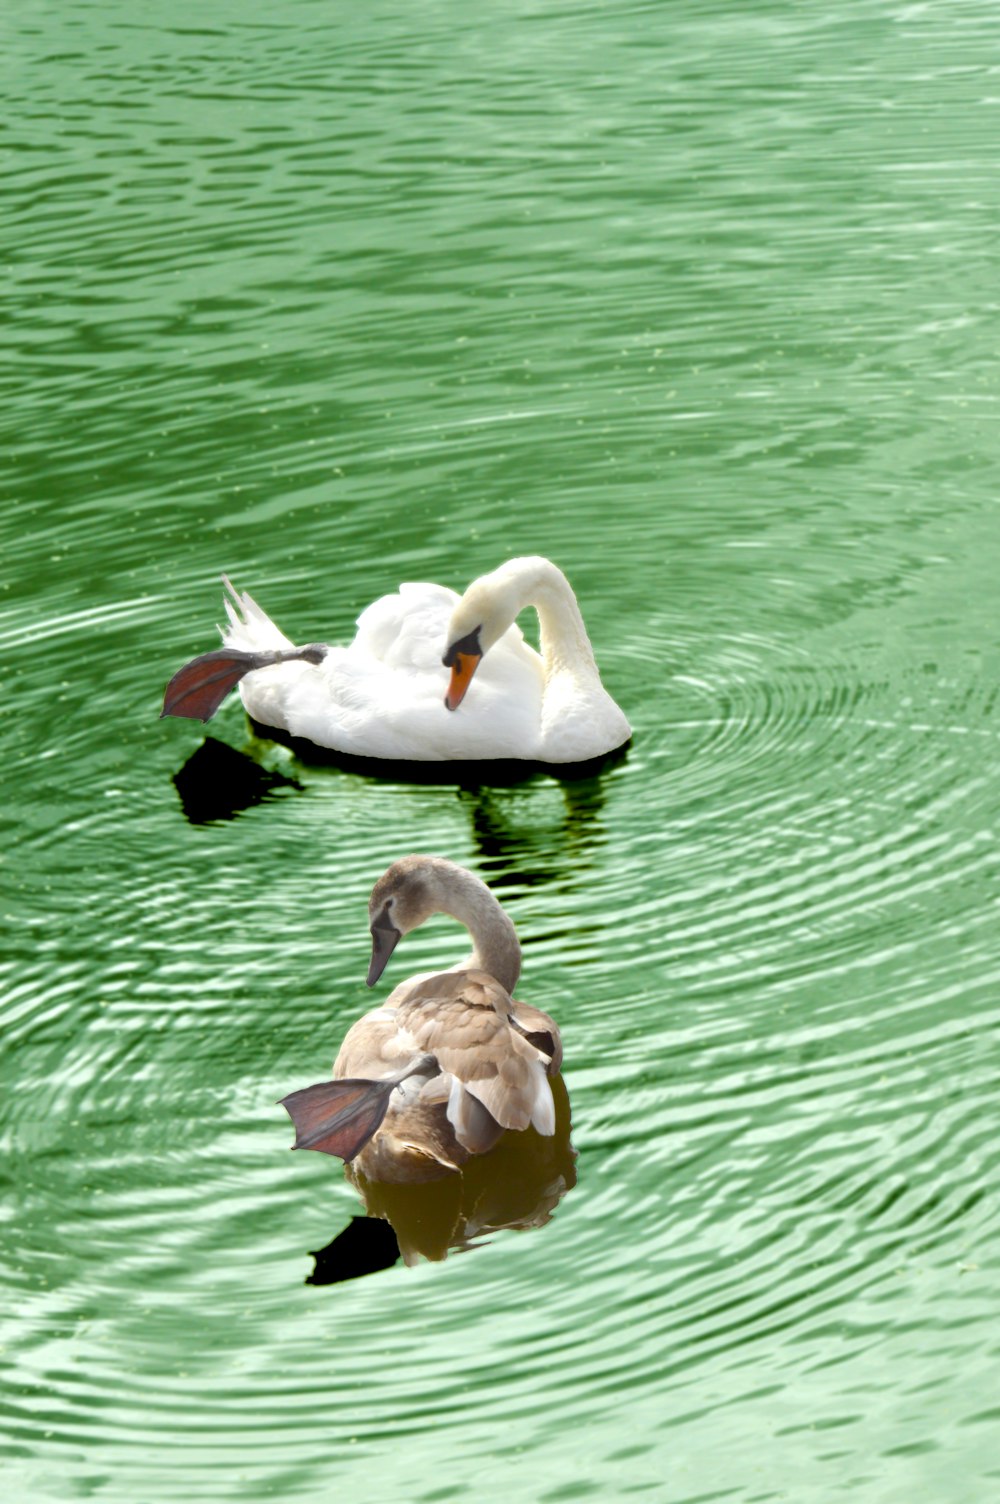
(542, 1031)
(462, 1019)
(373, 1046)
(474, 1126)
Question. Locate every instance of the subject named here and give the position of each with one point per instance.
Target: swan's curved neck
(496, 949)
(563, 637)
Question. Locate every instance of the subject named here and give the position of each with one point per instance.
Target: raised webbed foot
(199, 688)
(338, 1117)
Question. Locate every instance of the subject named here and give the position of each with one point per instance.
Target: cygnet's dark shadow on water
(366, 1245)
(217, 783)
(518, 1185)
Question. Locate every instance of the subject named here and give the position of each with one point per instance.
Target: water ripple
(706, 317)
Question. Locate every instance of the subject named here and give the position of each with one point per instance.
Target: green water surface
(700, 301)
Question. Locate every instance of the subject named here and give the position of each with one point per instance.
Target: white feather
(383, 695)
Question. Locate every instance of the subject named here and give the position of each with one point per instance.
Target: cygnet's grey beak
(385, 938)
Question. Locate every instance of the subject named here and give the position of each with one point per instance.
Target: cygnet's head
(404, 896)
(482, 616)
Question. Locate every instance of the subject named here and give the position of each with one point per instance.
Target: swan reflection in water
(443, 1096)
(536, 832)
(536, 829)
(517, 1185)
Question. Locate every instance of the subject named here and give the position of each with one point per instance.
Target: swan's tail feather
(250, 628)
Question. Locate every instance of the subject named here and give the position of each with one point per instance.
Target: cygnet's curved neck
(563, 637)
(496, 949)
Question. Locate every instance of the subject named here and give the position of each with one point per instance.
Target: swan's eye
(469, 644)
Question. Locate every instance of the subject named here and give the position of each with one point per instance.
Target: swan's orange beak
(463, 667)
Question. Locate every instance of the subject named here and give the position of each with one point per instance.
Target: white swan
(384, 695)
(449, 1060)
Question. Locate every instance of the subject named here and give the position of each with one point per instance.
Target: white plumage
(384, 695)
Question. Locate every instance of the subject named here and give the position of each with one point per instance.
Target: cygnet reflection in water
(518, 1185)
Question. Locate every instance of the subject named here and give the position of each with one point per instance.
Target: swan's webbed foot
(338, 1117)
(199, 688)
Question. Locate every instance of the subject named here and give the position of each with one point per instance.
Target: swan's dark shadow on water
(518, 1184)
(530, 823)
(219, 783)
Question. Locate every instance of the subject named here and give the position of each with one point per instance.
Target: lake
(699, 301)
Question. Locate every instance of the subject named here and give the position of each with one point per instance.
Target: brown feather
(479, 1038)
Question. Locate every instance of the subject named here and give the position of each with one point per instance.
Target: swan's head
(482, 616)
(403, 897)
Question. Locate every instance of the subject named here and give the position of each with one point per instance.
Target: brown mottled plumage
(449, 1061)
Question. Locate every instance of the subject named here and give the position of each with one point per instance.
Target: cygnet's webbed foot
(199, 688)
(338, 1117)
